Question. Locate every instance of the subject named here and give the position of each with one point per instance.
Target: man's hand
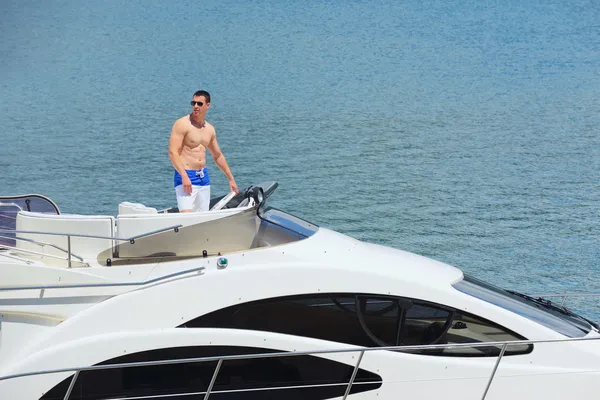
(233, 187)
(187, 184)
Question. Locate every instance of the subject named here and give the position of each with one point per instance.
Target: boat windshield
(10, 207)
(289, 222)
(544, 312)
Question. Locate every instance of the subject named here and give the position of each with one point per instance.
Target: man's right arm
(175, 147)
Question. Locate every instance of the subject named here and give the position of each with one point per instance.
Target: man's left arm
(221, 162)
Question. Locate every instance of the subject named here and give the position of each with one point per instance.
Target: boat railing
(68, 235)
(39, 243)
(361, 350)
(112, 284)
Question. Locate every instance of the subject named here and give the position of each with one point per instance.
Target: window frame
(204, 321)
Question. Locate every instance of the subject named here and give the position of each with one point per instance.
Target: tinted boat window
(288, 221)
(322, 317)
(191, 380)
(366, 320)
(568, 325)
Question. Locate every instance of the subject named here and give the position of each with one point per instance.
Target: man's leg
(202, 199)
(185, 202)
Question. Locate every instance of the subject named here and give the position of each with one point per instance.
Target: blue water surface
(466, 131)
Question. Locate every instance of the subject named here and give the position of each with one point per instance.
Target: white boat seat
(95, 225)
(135, 208)
(130, 225)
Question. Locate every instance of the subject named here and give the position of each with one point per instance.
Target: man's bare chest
(196, 138)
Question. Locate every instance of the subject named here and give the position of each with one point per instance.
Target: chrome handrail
(351, 381)
(69, 235)
(39, 243)
(132, 238)
(487, 387)
(362, 350)
(27, 251)
(89, 285)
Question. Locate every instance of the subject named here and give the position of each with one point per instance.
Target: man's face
(199, 105)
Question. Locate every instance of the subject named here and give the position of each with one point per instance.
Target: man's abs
(193, 159)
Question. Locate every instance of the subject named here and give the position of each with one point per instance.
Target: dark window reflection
(366, 320)
(267, 378)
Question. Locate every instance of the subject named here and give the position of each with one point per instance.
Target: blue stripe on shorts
(199, 177)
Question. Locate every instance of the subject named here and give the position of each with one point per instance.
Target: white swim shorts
(199, 200)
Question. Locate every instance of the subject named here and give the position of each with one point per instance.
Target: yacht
(248, 301)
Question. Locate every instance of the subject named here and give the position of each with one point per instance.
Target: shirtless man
(190, 137)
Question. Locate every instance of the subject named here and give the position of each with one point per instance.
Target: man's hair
(203, 93)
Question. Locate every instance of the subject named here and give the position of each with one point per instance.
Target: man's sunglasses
(193, 103)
